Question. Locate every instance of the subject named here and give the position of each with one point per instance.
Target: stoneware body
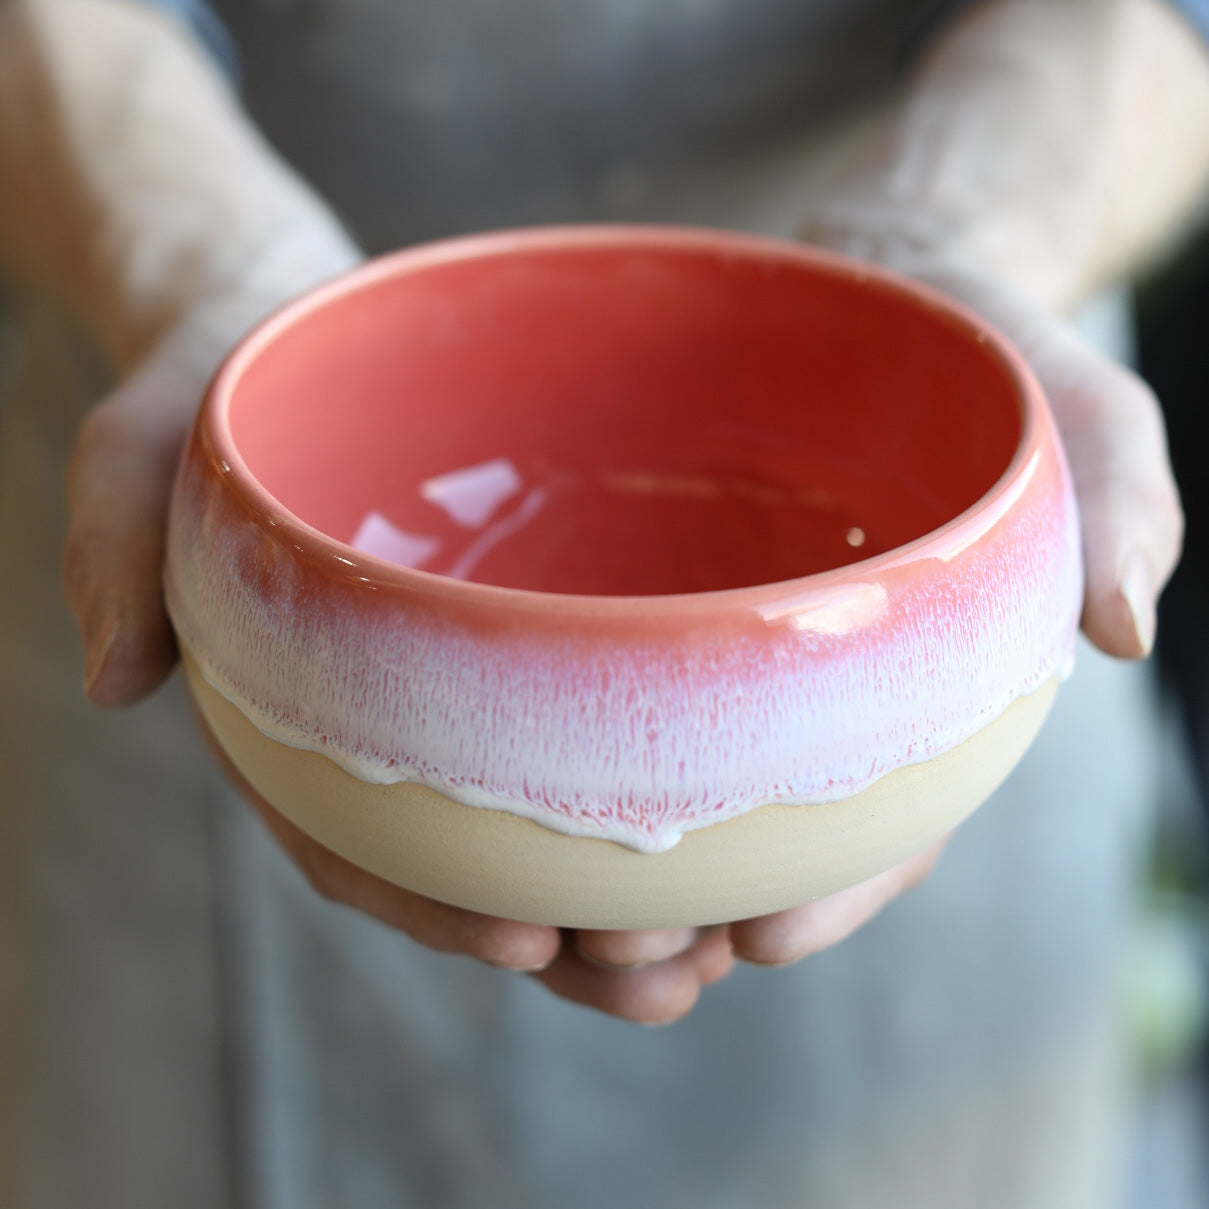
(623, 577)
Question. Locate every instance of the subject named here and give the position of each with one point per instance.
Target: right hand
(120, 482)
(125, 457)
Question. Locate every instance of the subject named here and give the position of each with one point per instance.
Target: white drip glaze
(600, 732)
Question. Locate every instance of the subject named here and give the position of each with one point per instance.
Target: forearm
(133, 186)
(1055, 143)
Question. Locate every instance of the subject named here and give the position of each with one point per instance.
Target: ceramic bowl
(623, 577)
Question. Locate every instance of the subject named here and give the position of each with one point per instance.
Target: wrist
(189, 203)
(931, 245)
(238, 274)
(144, 188)
(1054, 149)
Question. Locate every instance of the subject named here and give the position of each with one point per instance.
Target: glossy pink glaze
(712, 410)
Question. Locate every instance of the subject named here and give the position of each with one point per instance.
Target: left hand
(1132, 526)
(1115, 439)
(960, 191)
(962, 194)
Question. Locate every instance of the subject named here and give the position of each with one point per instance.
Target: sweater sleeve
(208, 27)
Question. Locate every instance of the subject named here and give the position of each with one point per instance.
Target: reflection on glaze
(840, 610)
(377, 536)
(471, 495)
(616, 532)
(497, 533)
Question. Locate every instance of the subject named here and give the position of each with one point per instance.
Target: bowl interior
(625, 420)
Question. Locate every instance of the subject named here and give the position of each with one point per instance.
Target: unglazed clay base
(490, 861)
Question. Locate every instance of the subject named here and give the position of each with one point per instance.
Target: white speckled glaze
(629, 719)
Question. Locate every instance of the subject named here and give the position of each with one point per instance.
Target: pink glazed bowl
(623, 577)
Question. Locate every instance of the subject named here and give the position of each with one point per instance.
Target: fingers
(1129, 507)
(505, 943)
(124, 460)
(621, 950)
(1132, 525)
(119, 484)
(680, 962)
(713, 955)
(652, 977)
(788, 936)
(1113, 433)
(658, 993)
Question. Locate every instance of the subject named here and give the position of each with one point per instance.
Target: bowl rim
(961, 531)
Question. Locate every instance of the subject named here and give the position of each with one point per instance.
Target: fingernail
(98, 651)
(534, 969)
(1137, 592)
(663, 945)
(601, 964)
(767, 963)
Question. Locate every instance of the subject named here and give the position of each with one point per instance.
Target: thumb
(1129, 510)
(119, 483)
(125, 455)
(1113, 433)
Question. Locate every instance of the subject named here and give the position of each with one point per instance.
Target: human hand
(958, 190)
(1115, 440)
(120, 481)
(1111, 427)
(1131, 524)
(127, 449)
(650, 977)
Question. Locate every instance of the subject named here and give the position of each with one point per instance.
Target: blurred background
(1166, 985)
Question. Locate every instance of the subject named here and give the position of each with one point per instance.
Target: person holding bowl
(1030, 154)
